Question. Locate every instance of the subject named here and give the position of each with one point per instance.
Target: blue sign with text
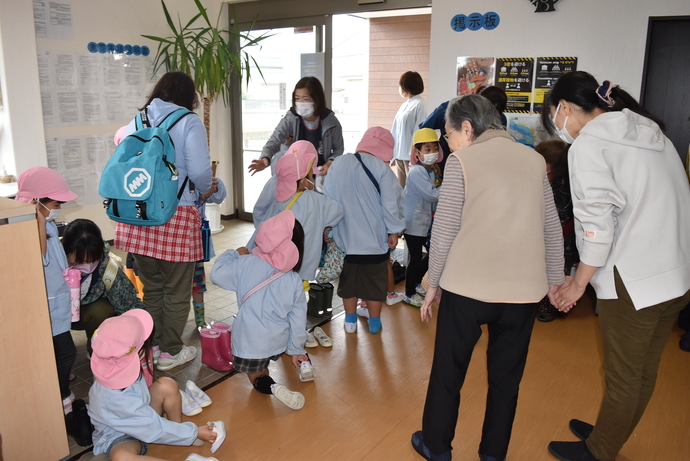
(475, 21)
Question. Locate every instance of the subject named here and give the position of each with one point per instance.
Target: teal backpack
(139, 182)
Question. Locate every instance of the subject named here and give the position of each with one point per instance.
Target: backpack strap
(294, 199)
(274, 276)
(110, 274)
(173, 117)
(366, 170)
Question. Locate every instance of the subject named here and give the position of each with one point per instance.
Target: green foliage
(209, 54)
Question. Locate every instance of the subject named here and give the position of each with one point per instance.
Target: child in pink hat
(47, 190)
(125, 412)
(294, 191)
(272, 306)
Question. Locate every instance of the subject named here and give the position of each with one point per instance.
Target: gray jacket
(332, 144)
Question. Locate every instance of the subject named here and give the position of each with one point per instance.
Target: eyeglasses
(447, 135)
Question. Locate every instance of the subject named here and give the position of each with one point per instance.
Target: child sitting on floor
(273, 309)
(125, 412)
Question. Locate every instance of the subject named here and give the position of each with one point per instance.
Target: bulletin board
(86, 96)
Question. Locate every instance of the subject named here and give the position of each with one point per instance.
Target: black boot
(316, 300)
(79, 425)
(327, 298)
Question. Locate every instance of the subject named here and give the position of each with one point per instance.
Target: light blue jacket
(314, 212)
(266, 198)
(216, 197)
(273, 320)
(421, 197)
(118, 412)
(369, 216)
(191, 148)
(54, 263)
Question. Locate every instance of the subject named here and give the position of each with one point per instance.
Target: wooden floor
(369, 394)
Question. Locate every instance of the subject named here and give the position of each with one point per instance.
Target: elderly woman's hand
(565, 298)
(432, 294)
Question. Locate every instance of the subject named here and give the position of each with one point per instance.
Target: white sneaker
(219, 429)
(167, 361)
(350, 327)
(199, 396)
(294, 400)
(189, 406)
(394, 298)
(363, 312)
(306, 372)
(414, 301)
(196, 457)
(67, 403)
(311, 340)
(420, 291)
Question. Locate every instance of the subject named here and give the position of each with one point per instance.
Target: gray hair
(477, 110)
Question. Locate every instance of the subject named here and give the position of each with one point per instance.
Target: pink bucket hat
(274, 241)
(292, 166)
(377, 141)
(115, 359)
(41, 181)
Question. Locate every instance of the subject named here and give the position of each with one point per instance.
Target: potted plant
(209, 54)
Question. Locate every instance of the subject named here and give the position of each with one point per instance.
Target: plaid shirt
(179, 240)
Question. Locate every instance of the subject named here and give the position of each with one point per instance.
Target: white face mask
(562, 132)
(430, 159)
(86, 268)
(304, 109)
(52, 214)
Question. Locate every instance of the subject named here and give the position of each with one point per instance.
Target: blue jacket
(369, 215)
(273, 320)
(421, 196)
(54, 263)
(118, 412)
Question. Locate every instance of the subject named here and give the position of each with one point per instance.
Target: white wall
(22, 136)
(607, 36)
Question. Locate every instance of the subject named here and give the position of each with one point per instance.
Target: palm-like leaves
(206, 52)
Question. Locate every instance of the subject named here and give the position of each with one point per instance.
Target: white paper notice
(52, 152)
(44, 70)
(113, 72)
(40, 19)
(77, 183)
(64, 70)
(89, 69)
(114, 109)
(68, 107)
(60, 21)
(95, 151)
(48, 106)
(134, 75)
(71, 153)
(91, 107)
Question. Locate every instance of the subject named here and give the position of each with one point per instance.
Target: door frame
(323, 34)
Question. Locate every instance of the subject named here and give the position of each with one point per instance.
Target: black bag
(398, 272)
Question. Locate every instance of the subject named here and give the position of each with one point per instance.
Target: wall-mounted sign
(111, 48)
(514, 75)
(546, 73)
(474, 72)
(475, 21)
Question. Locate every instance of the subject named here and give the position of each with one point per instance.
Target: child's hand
(243, 250)
(297, 359)
(206, 434)
(327, 233)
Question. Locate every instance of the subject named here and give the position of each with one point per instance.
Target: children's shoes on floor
(167, 361)
(420, 291)
(394, 298)
(294, 400)
(196, 457)
(322, 337)
(311, 341)
(350, 323)
(363, 312)
(306, 371)
(200, 397)
(415, 300)
(219, 429)
(189, 405)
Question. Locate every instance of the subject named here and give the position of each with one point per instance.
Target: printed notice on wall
(53, 20)
(514, 75)
(474, 72)
(547, 72)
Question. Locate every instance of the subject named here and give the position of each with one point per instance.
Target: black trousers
(457, 332)
(418, 264)
(65, 353)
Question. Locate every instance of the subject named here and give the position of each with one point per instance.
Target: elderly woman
(492, 267)
(632, 210)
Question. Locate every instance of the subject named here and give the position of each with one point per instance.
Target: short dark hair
(298, 240)
(83, 239)
(315, 89)
(411, 83)
(497, 96)
(555, 153)
(177, 88)
(475, 109)
(580, 88)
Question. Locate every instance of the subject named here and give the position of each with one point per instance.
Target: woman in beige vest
(491, 267)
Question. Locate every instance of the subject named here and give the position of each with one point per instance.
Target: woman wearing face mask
(307, 120)
(496, 250)
(632, 225)
(47, 190)
(410, 115)
(105, 289)
(421, 194)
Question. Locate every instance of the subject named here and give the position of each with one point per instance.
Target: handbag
(333, 261)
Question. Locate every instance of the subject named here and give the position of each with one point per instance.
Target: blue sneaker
(424, 452)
